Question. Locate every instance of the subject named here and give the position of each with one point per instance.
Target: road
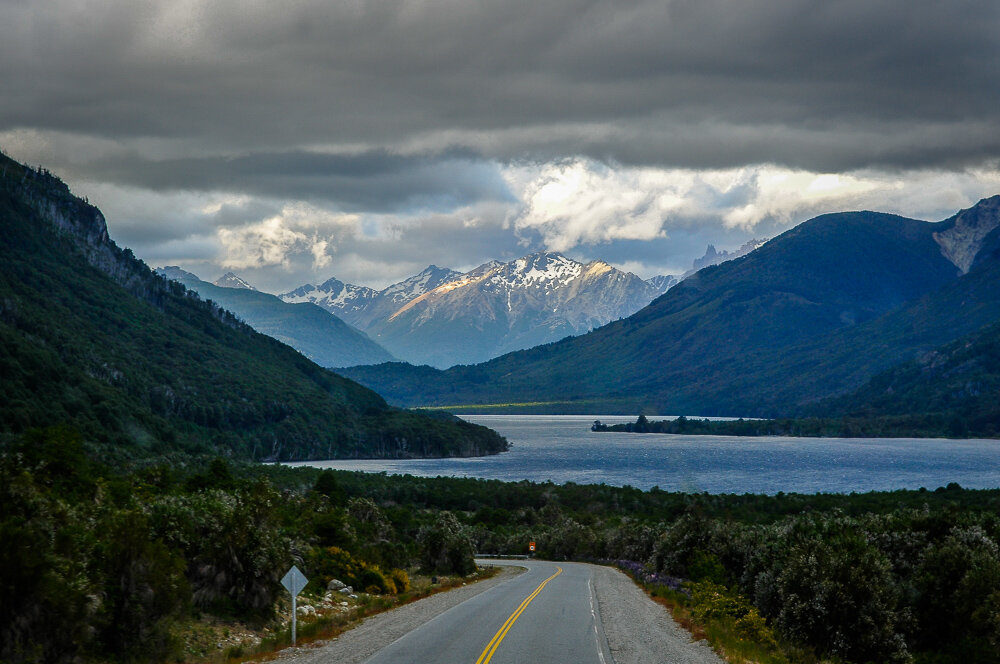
(547, 614)
(533, 612)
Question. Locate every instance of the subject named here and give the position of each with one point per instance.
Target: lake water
(561, 448)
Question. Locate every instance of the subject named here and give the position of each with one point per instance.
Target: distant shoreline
(910, 426)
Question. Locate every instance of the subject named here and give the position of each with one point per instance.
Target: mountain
(813, 313)
(714, 257)
(501, 307)
(231, 280)
(360, 305)
(92, 339)
(661, 283)
(957, 384)
(442, 317)
(314, 332)
(346, 301)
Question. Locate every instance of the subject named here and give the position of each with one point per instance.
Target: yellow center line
(494, 643)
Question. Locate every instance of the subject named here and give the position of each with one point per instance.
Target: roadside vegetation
(158, 563)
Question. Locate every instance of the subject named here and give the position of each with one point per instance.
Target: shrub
(400, 579)
(445, 547)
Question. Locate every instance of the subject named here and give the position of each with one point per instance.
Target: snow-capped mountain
(408, 289)
(443, 317)
(361, 306)
(347, 301)
(231, 280)
(500, 307)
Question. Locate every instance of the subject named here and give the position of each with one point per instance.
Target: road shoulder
(638, 629)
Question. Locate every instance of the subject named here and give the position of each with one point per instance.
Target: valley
(499, 332)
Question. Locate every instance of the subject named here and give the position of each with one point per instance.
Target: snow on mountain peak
(430, 278)
(231, 280)
(544, 269)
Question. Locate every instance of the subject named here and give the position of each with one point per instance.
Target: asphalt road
(547, 614)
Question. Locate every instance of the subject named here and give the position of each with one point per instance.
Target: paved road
(531, 613)
(547, 614)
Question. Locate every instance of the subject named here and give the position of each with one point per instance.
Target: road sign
(531, 546)
(294, 581)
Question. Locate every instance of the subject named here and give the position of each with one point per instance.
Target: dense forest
(104, 564)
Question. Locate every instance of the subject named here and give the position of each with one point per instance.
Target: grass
(730, 638)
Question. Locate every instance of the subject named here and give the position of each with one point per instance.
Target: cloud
(581, 202)
(375, 181)
(273, 241)
(306, 138)
(707, 84)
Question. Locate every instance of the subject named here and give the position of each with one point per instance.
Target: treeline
(930, 425)
(903, 576)
(101, 564)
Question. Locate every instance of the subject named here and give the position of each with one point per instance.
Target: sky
(295, 141)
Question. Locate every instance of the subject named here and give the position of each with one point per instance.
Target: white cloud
(583, 202)
(299, 229)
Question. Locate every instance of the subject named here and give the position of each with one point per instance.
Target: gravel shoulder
(376, 632)
(639, 630)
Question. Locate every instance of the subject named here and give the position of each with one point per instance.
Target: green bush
(445, 547)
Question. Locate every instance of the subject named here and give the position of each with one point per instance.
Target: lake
(561, 448)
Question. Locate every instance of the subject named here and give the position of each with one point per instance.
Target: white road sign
(294, 581)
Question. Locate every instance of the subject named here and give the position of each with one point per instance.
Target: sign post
(294, 581)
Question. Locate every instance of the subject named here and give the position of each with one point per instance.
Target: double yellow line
(492, 646)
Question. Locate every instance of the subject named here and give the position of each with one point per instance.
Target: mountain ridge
(744, 337)
(313, 331)
(92, 339)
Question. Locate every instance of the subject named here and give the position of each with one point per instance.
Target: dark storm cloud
(373, 181)
(706, 83)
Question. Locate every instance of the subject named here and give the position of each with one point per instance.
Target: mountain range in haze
(441, 317)
(313, 331)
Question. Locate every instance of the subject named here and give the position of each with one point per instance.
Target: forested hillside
(91, 338)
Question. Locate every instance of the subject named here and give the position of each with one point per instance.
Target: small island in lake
(910, 426)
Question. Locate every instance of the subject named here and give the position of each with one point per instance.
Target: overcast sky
(297, 140)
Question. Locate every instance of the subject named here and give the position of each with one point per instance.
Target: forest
(113, 563)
